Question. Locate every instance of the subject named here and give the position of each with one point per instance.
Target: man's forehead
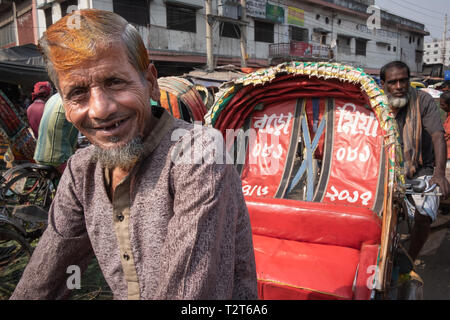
(396, 72)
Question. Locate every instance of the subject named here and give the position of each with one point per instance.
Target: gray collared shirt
(174, 230)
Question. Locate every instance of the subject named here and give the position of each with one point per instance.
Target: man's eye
(77, 93)
(114, 82)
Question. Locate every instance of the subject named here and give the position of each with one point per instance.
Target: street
(434, 263)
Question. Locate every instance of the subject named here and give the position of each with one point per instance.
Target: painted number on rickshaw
(349, 154)
(249, 190)
(350, 197)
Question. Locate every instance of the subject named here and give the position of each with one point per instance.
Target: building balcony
(298, 50)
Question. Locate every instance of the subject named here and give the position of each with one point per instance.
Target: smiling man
(159, 229)
(424, 148)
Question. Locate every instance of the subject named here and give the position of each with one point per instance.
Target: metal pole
(243, 28)
(16, 26)
(209, 45)
(445, 42)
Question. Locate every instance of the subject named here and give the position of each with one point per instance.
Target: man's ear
(151, 76)
(382, 83)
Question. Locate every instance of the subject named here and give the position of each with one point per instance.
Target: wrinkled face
(108, 100)
(396, 82)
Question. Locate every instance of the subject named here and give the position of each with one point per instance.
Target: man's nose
(101, 106)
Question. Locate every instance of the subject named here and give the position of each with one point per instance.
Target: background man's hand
(443, 184)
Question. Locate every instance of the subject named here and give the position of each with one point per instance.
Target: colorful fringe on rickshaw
(324, 70)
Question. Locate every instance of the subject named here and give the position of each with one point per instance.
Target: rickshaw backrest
(181, 98)
(298, 138)
(15, 130)
(311, 222)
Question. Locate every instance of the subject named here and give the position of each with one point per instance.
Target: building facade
(434, 52)
(174, 31)
(17, 23)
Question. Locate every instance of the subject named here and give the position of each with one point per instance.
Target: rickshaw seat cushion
(302, 271)
(314, 222)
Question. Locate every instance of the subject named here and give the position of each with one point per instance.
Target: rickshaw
(183, 99)
(318, 151)
(26, 192)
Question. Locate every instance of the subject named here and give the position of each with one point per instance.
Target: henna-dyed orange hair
(86, 35)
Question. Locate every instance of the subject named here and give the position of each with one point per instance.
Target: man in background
(424, 147)
(42, 91)
(57, 139)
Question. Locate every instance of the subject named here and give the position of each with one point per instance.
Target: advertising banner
(274, 13)
(256, 8)
(296, 16)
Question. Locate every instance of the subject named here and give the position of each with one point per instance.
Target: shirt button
(126, 257)
(120, 217)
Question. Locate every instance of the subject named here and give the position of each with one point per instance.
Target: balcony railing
(299, 49)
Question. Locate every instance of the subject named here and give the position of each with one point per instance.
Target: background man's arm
(64, 243)
(440, 158)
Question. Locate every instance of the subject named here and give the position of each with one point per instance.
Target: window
(48, 16)
(361, 47)
(298, 34)
(419, 56)
(327, 20)
(136, 12)
(418, 41)
(428, 45)
(181, 18)
(339, 22)
(7, 35)
(317, 16)
(389, 48)
(230, 30)
(435, 52)
(264, 31)
(343, 45)
(66, 4)
(436, 45)
(395, 49)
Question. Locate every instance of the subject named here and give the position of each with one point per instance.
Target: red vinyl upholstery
(307, 250)
(300, 270)
(314, 222)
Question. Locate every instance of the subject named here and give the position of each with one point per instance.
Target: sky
(429, 12)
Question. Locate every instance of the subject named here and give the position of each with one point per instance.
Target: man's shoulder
(425, 98)
(196, 132)
(82, 158)
(205, 143)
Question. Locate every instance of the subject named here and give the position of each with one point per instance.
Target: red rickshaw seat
(312, 250)
(299, 270)
(314, 222)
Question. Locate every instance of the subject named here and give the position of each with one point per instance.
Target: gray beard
(124, 157)
(398, 103)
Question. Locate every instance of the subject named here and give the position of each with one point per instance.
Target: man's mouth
(111, 126)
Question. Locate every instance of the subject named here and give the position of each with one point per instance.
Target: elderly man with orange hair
(160, 229)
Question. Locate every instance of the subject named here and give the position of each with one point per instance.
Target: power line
(415, 4)
(408, 8)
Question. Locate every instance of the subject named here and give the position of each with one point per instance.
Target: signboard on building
(274, 13)
(296, 16)
(256, 8)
